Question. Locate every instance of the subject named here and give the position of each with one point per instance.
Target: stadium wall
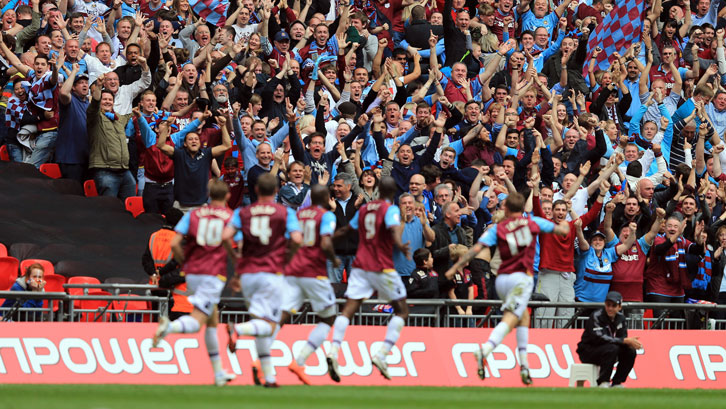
(63, 353)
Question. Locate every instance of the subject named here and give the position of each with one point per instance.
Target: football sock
(263, 352)
(255, 327)
(317, 336)
(210, 339)
(339, 327)
(395, 325)
(496, 337)
(522, 341)
(183, 325)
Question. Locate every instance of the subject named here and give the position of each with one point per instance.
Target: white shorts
(514, 289)
(205, 291)
(263, 294)
(361, 285)
(317, 290)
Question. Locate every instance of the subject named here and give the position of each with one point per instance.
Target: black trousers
(664, 299)
(158, 198)
(605, 357)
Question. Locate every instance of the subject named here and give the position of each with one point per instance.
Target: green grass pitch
(343, 397)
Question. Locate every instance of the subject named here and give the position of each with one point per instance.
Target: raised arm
(65, 91)
(161, 141)
(226, 141)
(622, 248)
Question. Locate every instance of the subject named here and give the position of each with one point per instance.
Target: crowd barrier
(134, 303)
(121, 353)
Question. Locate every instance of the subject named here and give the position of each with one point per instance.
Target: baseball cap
(598, 233)
(615, 297)
(80, 77)
(282, 36)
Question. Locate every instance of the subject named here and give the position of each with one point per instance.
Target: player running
(379, 228)
(306, 275)
(205, 266)
(515, 238)
(265, 228)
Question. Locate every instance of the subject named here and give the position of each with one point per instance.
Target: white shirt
(579, 201)
(123, 102)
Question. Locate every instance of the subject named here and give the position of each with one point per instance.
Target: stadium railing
(135, 303)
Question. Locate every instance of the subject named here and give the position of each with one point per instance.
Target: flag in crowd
(214, 11)
(621, 28)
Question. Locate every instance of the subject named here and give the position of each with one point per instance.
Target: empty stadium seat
(8, 272)
(80, 291)
(81, 280)
(4, 155)
(135, 205)
(52, 170)
(21, 251)
(3, 250)
(89, 188)
(47, 265)
(97, 306)
(53, 284)
(129, 304)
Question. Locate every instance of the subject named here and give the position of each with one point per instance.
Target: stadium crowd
(460, 101)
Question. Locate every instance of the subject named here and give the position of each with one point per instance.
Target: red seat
(8, 272)
(96, 306)
(3, 250)
(52, 170)
(79, 291)
(4, 155)
(47, 265)
(130, 304)
(89, 188)
(53, 284)
(135, 205)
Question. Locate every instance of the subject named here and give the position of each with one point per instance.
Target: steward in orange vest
(163, 270)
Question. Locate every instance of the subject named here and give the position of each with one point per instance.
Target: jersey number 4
(209, 231)
(517, 239)
(260, 228)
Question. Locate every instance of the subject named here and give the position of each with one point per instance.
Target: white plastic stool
(579, 373)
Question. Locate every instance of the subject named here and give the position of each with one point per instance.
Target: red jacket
(557, 252)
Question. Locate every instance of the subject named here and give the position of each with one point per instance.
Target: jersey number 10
(209, 231)
(519, 238)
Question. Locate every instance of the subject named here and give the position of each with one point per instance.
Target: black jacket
(454, 39)
(422, 284)
(348, 244)
(598, 107)
(440, 252)
(417, 34)
(600, 330)
(552, 68)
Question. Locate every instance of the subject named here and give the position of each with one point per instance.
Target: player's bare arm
(478, 247)
(176, 248)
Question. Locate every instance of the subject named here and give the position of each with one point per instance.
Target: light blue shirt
(489, 238)
(413, 235)
(718, 118)
(327, 224)
(531, 23)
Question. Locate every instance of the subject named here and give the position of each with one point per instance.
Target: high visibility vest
(160, 248)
